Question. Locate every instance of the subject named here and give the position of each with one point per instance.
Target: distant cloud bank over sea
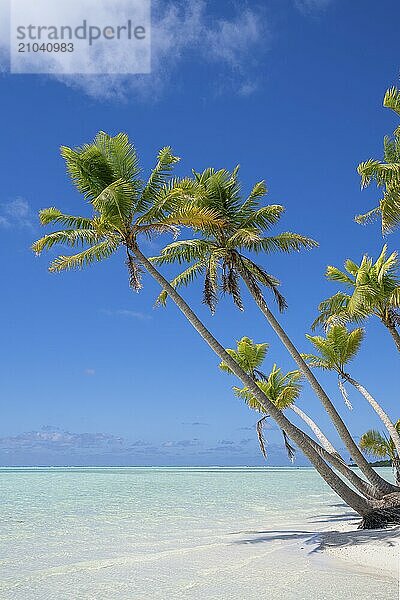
(53, 446)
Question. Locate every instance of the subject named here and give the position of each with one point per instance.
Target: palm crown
(374, 290)
(336, 349)
(280, 388)
(219, 255)
(107, 173)
(386, 174)
(379, 445)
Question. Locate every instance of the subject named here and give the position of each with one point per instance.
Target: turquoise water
(170, 533)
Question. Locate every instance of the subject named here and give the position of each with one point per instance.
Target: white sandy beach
(375, 551)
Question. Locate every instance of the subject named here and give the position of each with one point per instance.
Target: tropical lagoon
(183, 533)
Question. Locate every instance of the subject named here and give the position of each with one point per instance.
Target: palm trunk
(396, 469)
(359, 504)
(365, 488)
(381, 484)
(379, 411)
(316, 430)
(395, 335)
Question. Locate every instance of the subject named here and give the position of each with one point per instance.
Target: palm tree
(374, 290)
(222, 257)
(386, 174)
(107, 173)
(283, 390)
(250, 356)
(381, 446)
(336, 350)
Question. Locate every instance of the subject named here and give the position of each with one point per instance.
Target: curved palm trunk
(359, 504)
(379, 411)
(395, 335)
(325, 443)
(365, 488)
(396, 469)
(381, 484)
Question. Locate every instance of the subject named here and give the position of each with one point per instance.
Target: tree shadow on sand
(321, 540)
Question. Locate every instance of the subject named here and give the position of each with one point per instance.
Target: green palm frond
(283, 242)
(281, 389)
(182, 251)
(336, 349)
(262, 218)
(182, 280)
(373, 291)
(165, 163)
(334, 274)
(235, 228)
(173, 194)
(374, 443)
(392, 99)
(93, 254)
(317, 362)
(53, 215)
(250, 204)
(69, 237)
(196, 217)
(120, 155)
(115, 202)
(386, 174)
(369, 217)
(248, 355)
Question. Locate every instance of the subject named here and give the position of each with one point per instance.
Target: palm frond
(120, 154)
(182, 280)
(373, 443)
(93, 254)
(283, 242)
(165, 163)
(54, 215)
(392, 99)
(68, 237)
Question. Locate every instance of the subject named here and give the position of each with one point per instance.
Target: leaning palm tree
(382, 446)
(386, 174)
(224, 257)
(374, 290)
(250, 356)
(124, 209)
(336, 350)
(283, 390)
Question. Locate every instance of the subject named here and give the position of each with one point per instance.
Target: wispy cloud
(53, 445)
(123, 312)
(181, 443)
(90, 372)
(310, 6)
(53, 438)
(267, 425)
(16, 213)
(182, 33)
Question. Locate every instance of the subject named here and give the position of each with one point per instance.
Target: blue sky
(90, 373)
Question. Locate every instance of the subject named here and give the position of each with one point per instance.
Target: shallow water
(171, 533)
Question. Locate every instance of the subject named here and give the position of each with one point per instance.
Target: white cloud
(90, 372)
(16, 213)
(54, 438)
(123, 312)
(183, 31)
